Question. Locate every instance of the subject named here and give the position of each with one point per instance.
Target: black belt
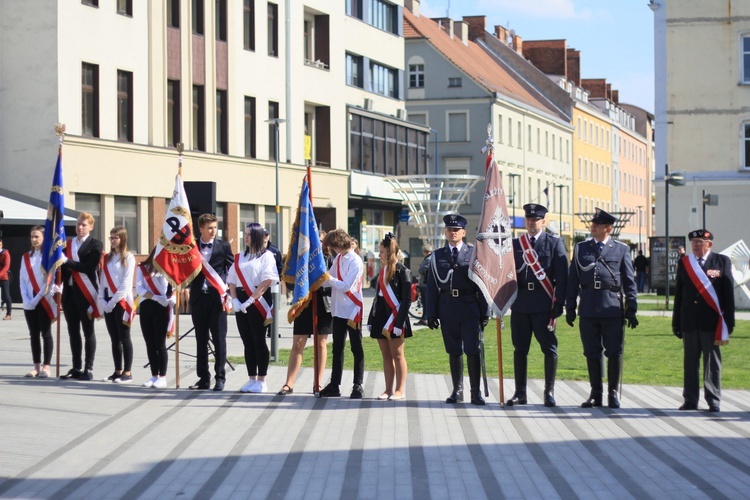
(458, 293)
(598, 285)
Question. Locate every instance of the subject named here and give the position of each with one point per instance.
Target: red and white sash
(391, 299)
(531, 259)
(127, 302)
(156, 291)
(708, 293)
(263, 306)
(216, 282)
(84, 284)
(355, 319)
(48, 303)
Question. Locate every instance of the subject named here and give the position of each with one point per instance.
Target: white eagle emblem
(497, 235)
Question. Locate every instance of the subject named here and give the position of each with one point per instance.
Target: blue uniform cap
(535, 211)
(602, 217)
(454, 220)
(702, 234)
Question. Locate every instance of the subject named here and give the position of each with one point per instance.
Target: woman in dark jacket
(389, 321)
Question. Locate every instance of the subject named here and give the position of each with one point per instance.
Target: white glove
(109, 306)
(236, 305)
(397, 331)
(171, 301)
(247, 304)
(63, 259)
(55, 288)
(161, 300)
(369, 328)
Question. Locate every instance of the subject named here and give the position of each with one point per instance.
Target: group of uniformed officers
(598, 288)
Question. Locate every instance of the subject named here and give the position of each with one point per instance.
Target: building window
(458, 127)
(273, 113)
(199, 118)
(354, 8)
(173, 13)
(248, 18)
(173, 113)
(91, 203)
(384, 16)
(273, 30)
(316, 40)
(247, 215)
(221, 20)
(416, 76)
(198, 17)
(250, 127)
(383, 80)
(354, 71)
(126, 215)
(500, 129)
(125, 7)
(125, 106)
(92, 3)
(747, 144)
(222, 123)
(318, 131)
(90, 100)
(510, 131)
(384, 148)
(529, 138)
(520, 135)
(454, 82)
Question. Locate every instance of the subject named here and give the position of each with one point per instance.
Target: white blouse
(122, 273)
(256, 270)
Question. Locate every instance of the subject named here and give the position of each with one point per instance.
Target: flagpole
(499, 327)
(314, 298)
(180, 146)
(60, 131)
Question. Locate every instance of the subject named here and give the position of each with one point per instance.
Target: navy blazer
(554, 261)
(221, 260)
(691, 311)
(470, 304)
(601, 280)
(89, 258)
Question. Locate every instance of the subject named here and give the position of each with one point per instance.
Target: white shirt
(122, 274)
(27, 291)
(255, 269)
(142, 288)
(345, 276)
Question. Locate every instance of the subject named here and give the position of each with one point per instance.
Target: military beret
(454, 220)
(702, 234)
(535, 211)
(602, 217)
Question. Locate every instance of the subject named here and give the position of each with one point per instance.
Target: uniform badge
(498, 236)
(713, 273)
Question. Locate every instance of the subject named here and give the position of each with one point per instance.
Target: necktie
(532, 240)
(702, 262)
(206, 245)
(600, 246)
(454, 254)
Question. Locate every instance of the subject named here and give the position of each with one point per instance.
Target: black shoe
(285, 390)
(356, 392)
(713, 408)
(72, 374)
(200, 385)
(688, 406)
(549, 399)
(457, 396)
(517, 399)
(87, 375)
(592, 402)
(476, 398)
(330, 391)
(613, 401)
(112, 377)
(219, 386)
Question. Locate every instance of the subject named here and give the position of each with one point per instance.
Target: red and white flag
(177, 257)
(493, 267)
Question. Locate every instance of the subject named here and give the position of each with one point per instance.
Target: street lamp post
(639, 226)
(276, 289)
(513, 198)
(675, 179)
(559, 188)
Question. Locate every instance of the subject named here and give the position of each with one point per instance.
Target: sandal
(32, 374)
(285, 390)
(384, 397)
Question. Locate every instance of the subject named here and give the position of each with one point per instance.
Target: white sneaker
(249, 386)
(149, 382)
(258, 387)
(263, 387)
(160, 383)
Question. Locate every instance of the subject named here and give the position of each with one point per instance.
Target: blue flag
(54, 229)
(305, 264)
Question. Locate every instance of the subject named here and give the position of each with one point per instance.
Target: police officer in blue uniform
(454, 303)
(541, 261)
(601, 274)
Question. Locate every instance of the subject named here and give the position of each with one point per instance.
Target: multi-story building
(132, 79)
(703, 120)
(462, 78)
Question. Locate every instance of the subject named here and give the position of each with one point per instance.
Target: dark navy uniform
(533, 308)
(455, 303)
(604, 281)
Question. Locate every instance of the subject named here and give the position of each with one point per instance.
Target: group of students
(94, 285)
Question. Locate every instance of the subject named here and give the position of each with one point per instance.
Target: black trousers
(77, 317)
(599, 334)
(340, 328)
(700, 344)
(522, 326)
(154, 319)
(5, 296)
(40, 331)
(253, 334)
(209, 317)
(119, 334)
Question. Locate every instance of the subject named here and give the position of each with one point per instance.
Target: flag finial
(180, 148)
(60, 131)
(488, 144)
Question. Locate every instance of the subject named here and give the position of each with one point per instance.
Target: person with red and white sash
(346, 309)
(116, 296)
(80, 302)
(703, 317)
(388, 321)
(208, 300)
(250, 279)
(156, 312)
(39, 307)
(542, 274)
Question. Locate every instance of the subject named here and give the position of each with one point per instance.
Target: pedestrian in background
(641, 270)
(5, 282)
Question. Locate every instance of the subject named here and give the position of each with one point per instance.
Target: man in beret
(542, 273)
(703, 317)
(601, 274)
(454, 303)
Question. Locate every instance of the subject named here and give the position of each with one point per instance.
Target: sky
(615, 37)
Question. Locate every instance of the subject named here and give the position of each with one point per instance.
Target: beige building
(702, 60)
(130, 79)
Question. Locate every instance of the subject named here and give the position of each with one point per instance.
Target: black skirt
(382, 312)
(303, 324)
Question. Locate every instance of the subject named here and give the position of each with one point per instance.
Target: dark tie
(454, 254)
(702, 262)
(206, 245)
(532, 240)
(600, 246)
